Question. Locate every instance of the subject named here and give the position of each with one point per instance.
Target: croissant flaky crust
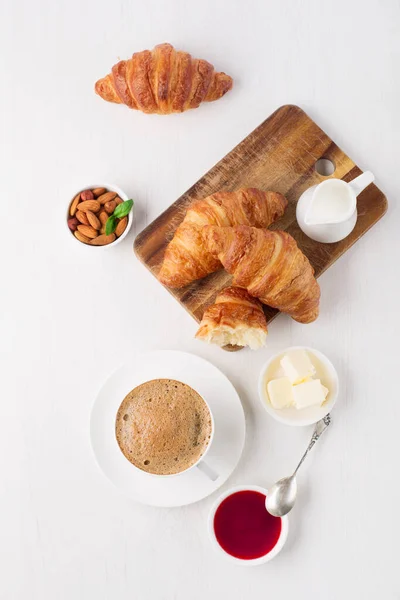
(235, 318)
(186, 257)
(163, 81)
(270, 266)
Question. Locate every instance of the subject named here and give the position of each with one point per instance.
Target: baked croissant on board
(270, 266)
(163, 81)
(186, 257)
(235, 318)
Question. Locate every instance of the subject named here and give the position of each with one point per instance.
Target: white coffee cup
(200, 464)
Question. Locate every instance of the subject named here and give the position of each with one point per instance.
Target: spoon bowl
(282, 496)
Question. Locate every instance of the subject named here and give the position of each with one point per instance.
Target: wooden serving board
(279, 155)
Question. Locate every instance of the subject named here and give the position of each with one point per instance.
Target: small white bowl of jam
(241, 528)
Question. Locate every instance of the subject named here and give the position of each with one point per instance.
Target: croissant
(270, 266)
(235, 318)
(186, 258)
(163, 81)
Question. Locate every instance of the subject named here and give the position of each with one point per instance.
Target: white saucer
(222, 456)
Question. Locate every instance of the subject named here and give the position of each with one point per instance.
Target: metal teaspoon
(282, 495)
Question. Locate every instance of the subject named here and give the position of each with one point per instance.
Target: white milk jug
(327, 212)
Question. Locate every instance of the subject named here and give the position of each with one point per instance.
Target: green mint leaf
(123, 209)
(111, 224)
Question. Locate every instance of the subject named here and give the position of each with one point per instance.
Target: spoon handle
(318, 431)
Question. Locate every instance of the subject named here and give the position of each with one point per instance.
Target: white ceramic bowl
(240, 561)
(110, 188)
(312, 414)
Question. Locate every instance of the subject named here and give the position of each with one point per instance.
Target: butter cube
(280, 392)
(297, 366)
(309, 393)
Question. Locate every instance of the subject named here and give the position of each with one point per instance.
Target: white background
(70, 316)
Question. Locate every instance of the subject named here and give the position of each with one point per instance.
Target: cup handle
(207, 470)
(361, 182)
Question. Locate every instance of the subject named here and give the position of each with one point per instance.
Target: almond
(118, 200)
(106, 197)
(82, 218)
(103, 240)
(103, 216)
(98, 192)
(93, 220)
(119, 230)
(102, 229)
(87, 195)
(87, 231)
(74, 204)
(82, 238)
(92, 205)
(110, 206)
(73, 223)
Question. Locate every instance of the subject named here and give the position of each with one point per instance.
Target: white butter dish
(290, 415)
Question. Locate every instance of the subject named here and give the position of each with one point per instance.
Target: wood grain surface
(279, 155)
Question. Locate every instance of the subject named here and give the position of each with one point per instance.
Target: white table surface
(69, 317)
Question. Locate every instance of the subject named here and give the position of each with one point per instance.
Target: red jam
(243, 526)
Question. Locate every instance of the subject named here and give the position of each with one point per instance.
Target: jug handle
(361, 182)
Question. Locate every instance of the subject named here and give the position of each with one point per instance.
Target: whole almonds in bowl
(100, 215)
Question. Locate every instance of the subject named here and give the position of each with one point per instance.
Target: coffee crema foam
(163, 426)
